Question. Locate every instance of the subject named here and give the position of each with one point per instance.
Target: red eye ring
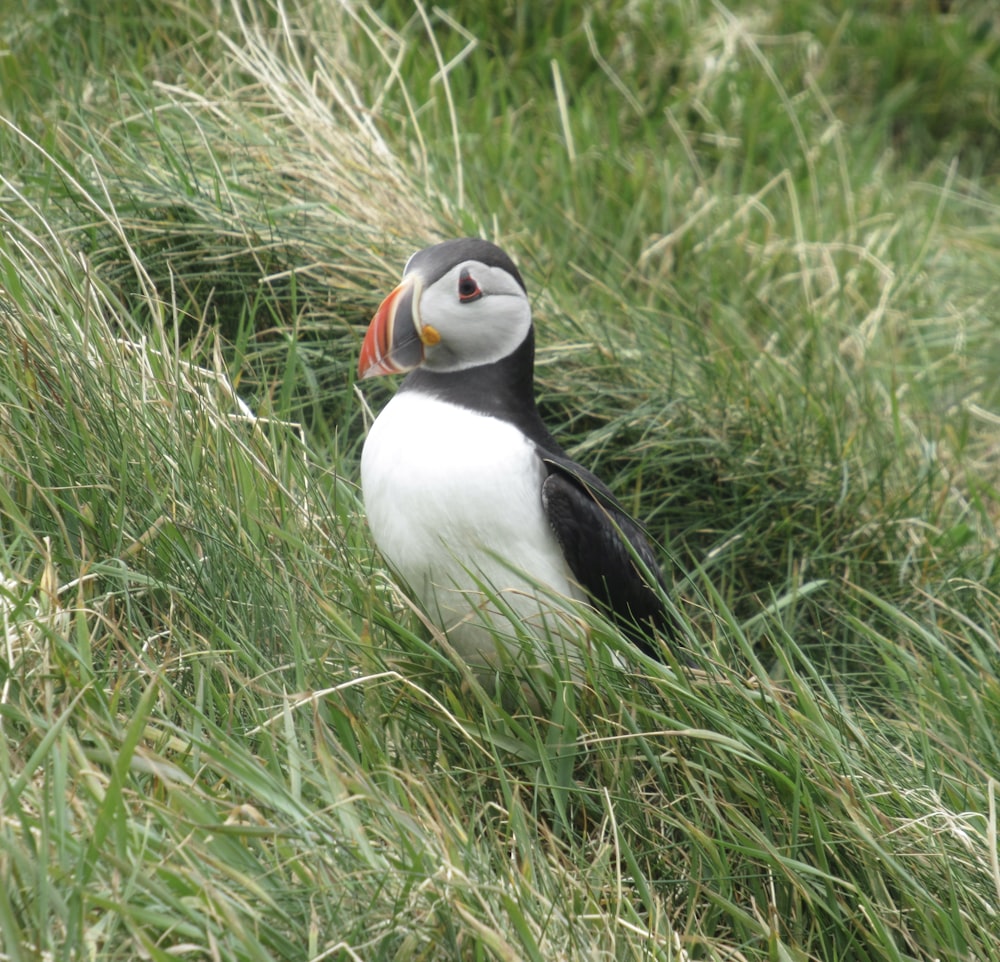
(468, 289)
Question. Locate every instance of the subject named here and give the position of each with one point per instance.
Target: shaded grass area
(762, 279)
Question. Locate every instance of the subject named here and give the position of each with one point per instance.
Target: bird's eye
(468, 289)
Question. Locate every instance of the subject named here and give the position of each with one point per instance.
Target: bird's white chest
(453, 500)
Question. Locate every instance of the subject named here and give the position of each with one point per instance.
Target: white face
(480, 312)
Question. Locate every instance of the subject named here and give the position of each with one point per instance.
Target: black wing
(595, 532)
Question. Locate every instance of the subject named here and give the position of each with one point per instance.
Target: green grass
(762, 245)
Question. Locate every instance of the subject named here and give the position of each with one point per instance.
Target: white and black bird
(468, 496)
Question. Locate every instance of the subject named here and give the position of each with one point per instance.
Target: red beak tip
(376, 357)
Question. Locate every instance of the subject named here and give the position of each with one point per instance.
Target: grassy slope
(766, 241)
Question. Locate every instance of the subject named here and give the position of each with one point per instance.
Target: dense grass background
(764, 248)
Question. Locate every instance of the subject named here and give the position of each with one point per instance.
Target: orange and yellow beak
(396, 339)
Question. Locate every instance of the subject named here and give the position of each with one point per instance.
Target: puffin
(469, 498)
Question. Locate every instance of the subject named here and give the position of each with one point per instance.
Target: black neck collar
(503, 389)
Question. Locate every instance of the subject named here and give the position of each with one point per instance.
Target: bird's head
(461, 304)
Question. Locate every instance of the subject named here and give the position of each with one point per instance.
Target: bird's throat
(503, 389)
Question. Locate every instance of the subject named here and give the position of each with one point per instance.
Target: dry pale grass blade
(320, 136)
